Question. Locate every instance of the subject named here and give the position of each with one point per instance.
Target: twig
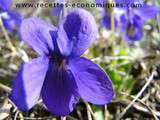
(32, 118)
(158, 16)
(24, 56)
(20, 116)
(89, 115)
(106, 113)
(79, 114)
(63, 118)
(8, 90)
(136, 97)
(5, 88)
(15, 117)
(89, 109)
(71, 118)
(112, 22)
(18, 112)
(139, 100)
(118, 65)
(108, 58)
(13, 49)
(137, 107)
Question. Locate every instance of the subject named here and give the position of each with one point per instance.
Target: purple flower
(100, 1)
(133, 19)
(130, 19)
(11, 19)
(60, 74)
(106, 15)
(106, 19)
(58, 9)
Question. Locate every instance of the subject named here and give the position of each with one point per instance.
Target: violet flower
(100, 1)
(58, 9)
(10, 19)
(106, 19)
(133, 19)
(129, 19)
(106, 15)
(60, 74)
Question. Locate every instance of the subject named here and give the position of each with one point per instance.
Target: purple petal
(56, 11)
(36, 33)
(93, 84)
(128, 1)
(100, 1)
(12, 20)
(61, 1)
(28, 83)
(137, 21)
(5, 4)
(138, 34)
(76, 33)
(106, 20)
(131, 28)
(127, 4)
(148, 12)
(59, 91)
(16, 17)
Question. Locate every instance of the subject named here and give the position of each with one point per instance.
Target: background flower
(11, 19)
(58, 9)
(133, 19)
(130, 20)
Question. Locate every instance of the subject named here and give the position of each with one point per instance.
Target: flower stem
(11, 46)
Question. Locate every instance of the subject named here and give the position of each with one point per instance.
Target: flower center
(61, 62)
(131, 30)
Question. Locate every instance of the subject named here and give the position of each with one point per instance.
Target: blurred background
(133, 68)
